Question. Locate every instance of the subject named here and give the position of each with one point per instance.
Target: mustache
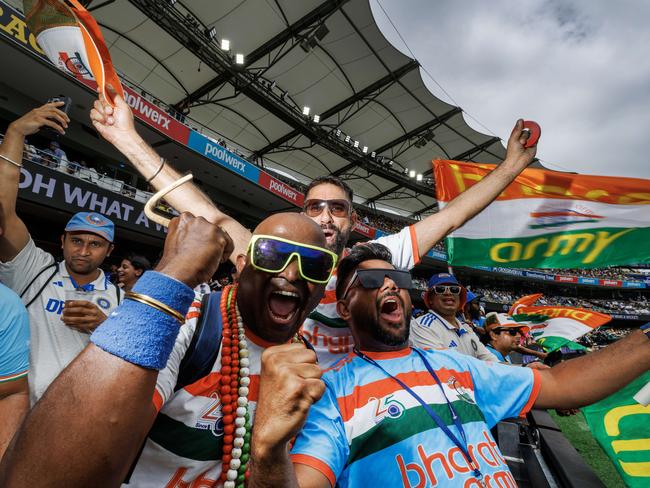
(393, 294)
(330, 227)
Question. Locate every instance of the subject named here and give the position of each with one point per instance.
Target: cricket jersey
(367, 430)
(325, 330)
(53, 344)
(14, 337)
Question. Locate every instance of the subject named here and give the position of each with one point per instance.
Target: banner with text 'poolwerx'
(547, 219)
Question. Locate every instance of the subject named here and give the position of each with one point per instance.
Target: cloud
(579, 68)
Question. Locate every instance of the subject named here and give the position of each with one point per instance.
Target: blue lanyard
(86, 287)
(436, 418)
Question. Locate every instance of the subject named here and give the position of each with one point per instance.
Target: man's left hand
(82, 315)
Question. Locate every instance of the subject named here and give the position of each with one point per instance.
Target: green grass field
(577, 431)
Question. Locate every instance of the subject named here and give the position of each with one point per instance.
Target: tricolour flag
(547, 219)
(554, 320)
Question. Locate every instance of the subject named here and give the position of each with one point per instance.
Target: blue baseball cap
(471, 296)
(448, 279)
(92, 222)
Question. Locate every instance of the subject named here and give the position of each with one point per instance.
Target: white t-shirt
(184, 447)
(431, 331)
(325, 330)
(52, 343)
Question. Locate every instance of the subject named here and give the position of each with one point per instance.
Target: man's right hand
(46, 115)
(115, 124)
(289, 385)
(194, 248)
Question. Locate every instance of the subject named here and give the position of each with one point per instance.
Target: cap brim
(99, 233)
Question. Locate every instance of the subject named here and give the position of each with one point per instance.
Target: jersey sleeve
(168, 376)
(22, 269)
(322, 443)
(14, 337)
(424, 334)
(502, 391)
(403, 246)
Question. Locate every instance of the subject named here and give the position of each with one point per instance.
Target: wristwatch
(646, 329)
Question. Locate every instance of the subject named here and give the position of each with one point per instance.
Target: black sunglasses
(374, 278)
(513, 332)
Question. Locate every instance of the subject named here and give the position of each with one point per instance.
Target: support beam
(405, 137)
(320, 13)
(420, 212)
(360, 95)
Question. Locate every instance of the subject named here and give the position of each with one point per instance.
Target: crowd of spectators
(639, 305)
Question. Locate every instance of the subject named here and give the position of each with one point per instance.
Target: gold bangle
(158, 305)
(18, 165)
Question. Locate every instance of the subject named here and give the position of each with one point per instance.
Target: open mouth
(449, 301)
(283, 305)
(390, 309)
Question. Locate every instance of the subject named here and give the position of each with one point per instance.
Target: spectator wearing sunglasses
(392, 415)
(504, 336)
(441, 327)
(328, 202)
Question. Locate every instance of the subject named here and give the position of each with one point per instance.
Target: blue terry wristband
(141, 334)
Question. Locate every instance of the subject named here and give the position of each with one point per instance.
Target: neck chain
(233, 392)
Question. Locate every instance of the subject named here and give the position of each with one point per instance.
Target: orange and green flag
(549, 219)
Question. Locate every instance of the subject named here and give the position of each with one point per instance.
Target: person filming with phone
(65, 300)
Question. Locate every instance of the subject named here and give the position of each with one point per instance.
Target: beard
(391, 336)
(341, 238)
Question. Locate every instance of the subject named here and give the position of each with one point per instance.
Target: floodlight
(316, 119)
(365, 149)
(356, 144)
(412, 173)
(225, 45)
(305, 110)
(347, 138)
(338, 132)
(373, 154)
(419, 177)
(211, 33)
(239, 58)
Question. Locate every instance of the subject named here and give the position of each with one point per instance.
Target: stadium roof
(328, 55)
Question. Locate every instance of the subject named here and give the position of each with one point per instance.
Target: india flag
(548, 219)
(554, 321)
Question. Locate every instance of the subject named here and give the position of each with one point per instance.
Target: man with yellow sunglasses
(194, 434)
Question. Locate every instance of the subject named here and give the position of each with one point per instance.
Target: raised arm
(13, 232)
(586, 380)
(117, 127)
(469, 203)
(94, 416)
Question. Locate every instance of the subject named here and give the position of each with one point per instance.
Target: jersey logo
(57, 283)
(211, 418)
(387, 407)
(103, 303)
(462, 392)
(453, 344)
(54, 306)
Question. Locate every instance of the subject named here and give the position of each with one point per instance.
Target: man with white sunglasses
(440, 328)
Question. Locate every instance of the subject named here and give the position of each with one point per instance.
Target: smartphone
(67, 104)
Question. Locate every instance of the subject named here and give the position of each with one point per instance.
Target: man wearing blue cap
(440, 328)
(57, 333)
(473, 313)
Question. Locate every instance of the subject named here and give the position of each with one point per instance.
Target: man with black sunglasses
(328, 202)
(503, 336)
(396, 416)
(440, 327)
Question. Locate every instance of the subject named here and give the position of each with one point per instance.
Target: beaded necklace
(233, 392)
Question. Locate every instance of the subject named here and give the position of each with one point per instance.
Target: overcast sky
(581, 69)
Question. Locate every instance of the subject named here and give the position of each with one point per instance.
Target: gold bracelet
(18, 165)
(158, 305)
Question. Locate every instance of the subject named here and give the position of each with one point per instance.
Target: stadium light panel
(316, 119)
(412, 173)
(373, 154)
(338, 132)
(356, 144)
(347, 138)
(239, 58)
(419, 177)
(365, 150)
(225, 45)
(211, 33)
(173, 2)
(305, 110)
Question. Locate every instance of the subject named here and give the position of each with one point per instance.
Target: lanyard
(86, 287)
(436, 418)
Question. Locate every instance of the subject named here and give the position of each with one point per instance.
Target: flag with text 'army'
(546, 321)
(548, 219)
(622, 428)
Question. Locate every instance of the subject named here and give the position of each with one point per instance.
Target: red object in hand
(535, 131)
